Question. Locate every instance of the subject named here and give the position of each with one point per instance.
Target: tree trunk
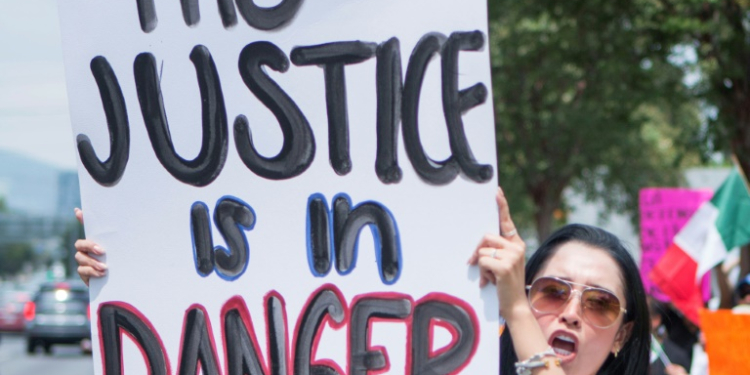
(725, 292)
(543, 218)
(743, 158)
(737, 98)
(546, 199)
(737, 101)
(740, 141)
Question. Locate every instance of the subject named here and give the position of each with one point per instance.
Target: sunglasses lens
(548, 295)
(600, 307)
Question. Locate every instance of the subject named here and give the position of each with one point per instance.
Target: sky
(34, 118)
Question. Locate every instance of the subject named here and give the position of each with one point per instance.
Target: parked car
(11, 310)
(58, 314)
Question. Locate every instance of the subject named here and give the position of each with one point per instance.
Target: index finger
(507, 227)
(79, 214)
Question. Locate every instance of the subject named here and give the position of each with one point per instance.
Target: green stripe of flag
(733, 202)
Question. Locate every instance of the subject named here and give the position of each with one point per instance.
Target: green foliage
(719, 31)
(73, 232)
(13, 258)
(585, 96)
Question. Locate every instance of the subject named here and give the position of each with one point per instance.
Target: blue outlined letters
(332, 236)
(233, 218)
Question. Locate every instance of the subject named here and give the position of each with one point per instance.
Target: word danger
(397, 102)
(326, 306)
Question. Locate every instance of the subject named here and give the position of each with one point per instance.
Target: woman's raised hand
(88, 267)
(501, 260)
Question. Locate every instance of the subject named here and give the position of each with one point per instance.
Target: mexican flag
(717, 227)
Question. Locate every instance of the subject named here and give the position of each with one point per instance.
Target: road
(64, 360)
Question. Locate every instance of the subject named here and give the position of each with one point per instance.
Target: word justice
(326, 306)
(397, 103)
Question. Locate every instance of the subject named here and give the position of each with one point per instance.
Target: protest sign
(727, 335)
(231, 154)
(663, 212)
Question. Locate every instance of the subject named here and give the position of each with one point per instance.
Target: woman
(579, 295)
(585, 300)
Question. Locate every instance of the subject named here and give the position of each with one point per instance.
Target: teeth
(566, 339)
(565, 345)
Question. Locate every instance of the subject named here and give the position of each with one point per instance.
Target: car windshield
(62, 301)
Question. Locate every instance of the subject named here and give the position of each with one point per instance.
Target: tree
(13, 257)
(585, 97)
(719, 32)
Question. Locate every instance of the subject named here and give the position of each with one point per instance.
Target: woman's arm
(501, 261)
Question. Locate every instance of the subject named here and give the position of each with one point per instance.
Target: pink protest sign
(664, 211)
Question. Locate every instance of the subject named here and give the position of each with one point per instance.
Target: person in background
(667, 358)
(742, 293)
(699, 364)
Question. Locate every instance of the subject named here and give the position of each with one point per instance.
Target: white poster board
(230, 154)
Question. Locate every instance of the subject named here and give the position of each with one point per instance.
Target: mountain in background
(35, 188)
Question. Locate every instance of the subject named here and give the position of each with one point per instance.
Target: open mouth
(564, 345)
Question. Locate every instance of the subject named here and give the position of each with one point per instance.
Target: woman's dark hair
(633, 358)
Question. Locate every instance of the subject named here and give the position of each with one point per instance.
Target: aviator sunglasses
(599, 307)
